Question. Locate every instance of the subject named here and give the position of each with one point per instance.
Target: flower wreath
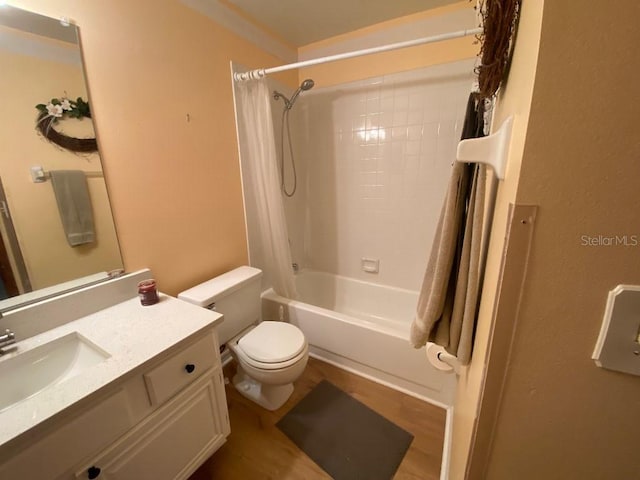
(57, 109)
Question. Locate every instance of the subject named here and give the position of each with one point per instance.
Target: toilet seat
(271, 345)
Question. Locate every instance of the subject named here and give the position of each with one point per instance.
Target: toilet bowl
(270, 355)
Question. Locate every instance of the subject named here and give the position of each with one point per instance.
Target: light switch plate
(617, 347)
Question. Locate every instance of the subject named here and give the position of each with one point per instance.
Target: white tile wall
(373, 161)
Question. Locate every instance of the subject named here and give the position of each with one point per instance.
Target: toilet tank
(235, 294)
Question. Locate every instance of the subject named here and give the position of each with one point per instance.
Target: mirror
(57, 233)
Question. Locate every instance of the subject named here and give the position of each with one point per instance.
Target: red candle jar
(147, 292)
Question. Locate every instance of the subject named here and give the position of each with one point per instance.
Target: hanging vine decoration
(58, 109)
(499, 22)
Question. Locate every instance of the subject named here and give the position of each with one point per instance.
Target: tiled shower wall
(373, 160)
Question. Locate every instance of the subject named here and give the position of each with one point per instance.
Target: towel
(74, 205)
(448, 301)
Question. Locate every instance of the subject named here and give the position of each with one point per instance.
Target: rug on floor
(344, 437)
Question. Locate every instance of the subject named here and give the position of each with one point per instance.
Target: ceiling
(301, 22)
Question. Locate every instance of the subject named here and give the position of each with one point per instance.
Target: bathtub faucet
(7, 341)
(295, 267)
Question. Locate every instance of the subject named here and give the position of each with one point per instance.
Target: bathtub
(362, 327)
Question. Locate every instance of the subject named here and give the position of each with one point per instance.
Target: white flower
(54, 110)
(65, 104)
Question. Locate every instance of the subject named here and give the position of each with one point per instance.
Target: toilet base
(270, 397)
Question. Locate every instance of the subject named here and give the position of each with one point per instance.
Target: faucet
(8, 338)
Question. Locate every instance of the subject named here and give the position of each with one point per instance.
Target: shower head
(288, 102)
(304, 86)
(307, 84)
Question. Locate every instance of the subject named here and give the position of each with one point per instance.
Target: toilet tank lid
(213, 290)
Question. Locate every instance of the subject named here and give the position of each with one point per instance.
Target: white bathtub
(363, 327)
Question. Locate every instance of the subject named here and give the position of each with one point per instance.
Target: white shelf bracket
(491, 150)
(37, 174)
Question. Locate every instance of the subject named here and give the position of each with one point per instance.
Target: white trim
(446, 445)
(229, 19)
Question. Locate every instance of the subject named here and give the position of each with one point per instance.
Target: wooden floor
(257, 449)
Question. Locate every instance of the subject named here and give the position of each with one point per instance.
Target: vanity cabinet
(162, 422)
(171, 443)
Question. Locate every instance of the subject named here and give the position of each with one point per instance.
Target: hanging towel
(74, 205)
(448, 300)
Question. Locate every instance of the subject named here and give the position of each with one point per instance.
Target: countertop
(130, 333)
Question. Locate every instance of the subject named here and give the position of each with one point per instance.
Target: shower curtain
(255, 128)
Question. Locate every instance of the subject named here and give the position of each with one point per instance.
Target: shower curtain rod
(261, 72)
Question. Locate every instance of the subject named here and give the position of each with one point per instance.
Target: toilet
(270, 355)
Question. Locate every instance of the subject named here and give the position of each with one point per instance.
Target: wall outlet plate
(617, 347)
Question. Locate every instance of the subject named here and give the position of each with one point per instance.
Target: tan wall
(561, 416)
(27, 81)
(159, 82)
(389, 62)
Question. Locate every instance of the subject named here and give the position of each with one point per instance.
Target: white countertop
(130, 333)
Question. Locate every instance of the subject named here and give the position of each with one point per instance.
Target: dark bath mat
(344, 437)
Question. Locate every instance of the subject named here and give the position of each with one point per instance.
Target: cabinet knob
(189, 367)
(93, 472)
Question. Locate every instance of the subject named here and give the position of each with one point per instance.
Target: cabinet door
(84, 434)
(191, 429)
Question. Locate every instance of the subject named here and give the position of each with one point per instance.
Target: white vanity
(125, 392)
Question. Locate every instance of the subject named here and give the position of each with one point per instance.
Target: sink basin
(29, 373)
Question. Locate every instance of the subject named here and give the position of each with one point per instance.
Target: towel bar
(39, 175)
(491, 150)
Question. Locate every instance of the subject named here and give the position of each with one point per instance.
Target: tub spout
(7, 340)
